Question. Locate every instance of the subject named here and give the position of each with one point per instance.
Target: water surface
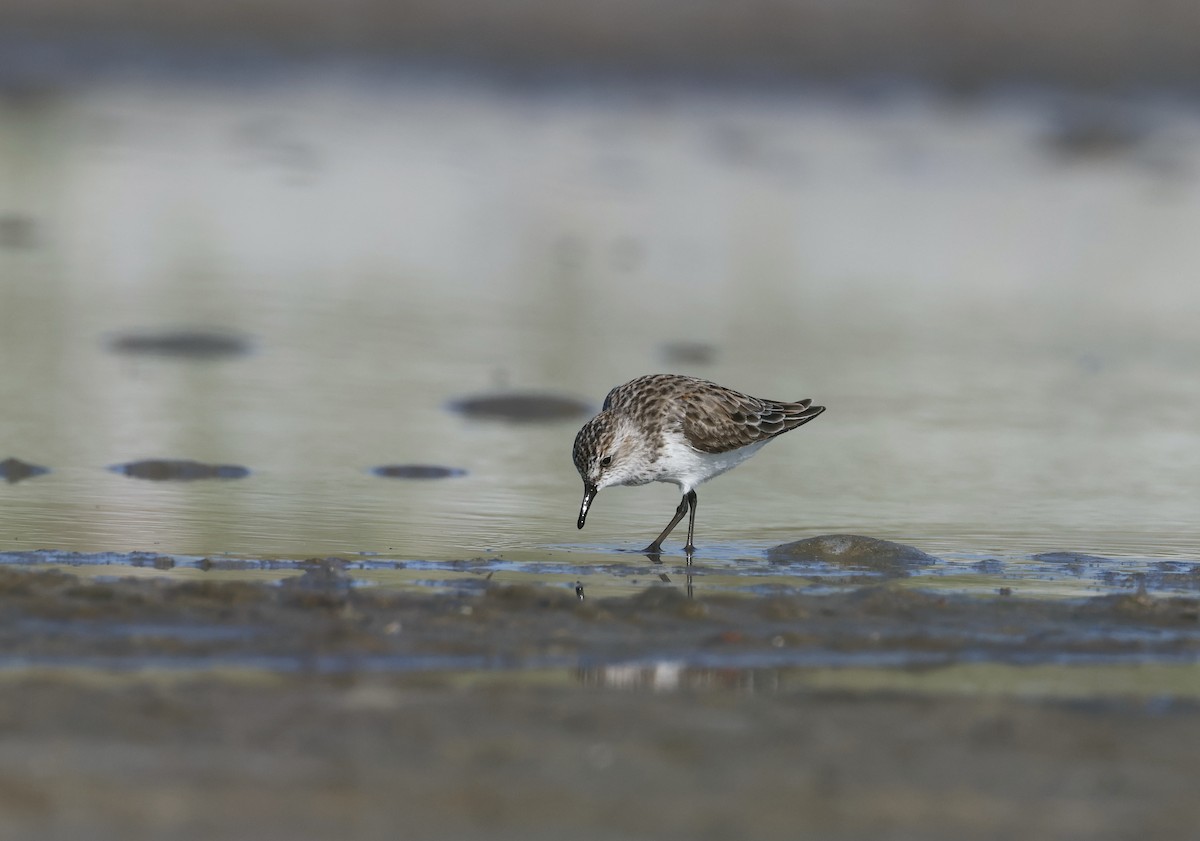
(1001, 323)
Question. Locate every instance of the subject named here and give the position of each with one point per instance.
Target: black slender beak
(589, 493)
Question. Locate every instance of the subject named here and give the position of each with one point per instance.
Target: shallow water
(627, 573)
(1001, 324)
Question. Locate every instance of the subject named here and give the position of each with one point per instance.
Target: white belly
(681, 465)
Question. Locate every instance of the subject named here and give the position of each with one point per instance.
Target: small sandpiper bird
(683, 430)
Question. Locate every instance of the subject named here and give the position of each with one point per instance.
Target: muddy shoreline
(1121, 42)
(321, 620)
(385, 757)
(311, 709)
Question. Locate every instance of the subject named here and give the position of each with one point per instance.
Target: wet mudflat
(367, 756)
(313, 708)
(404, 296)
(321, 621)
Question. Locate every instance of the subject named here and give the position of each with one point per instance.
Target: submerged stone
(179, 470)
(1068, 558)
(852, 550)
(520, 407)
(417, 471)
(321, 575)
(13, 470)
(187, 344)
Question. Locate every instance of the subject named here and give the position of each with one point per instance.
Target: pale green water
(1004, 335)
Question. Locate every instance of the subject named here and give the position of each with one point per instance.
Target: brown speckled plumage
(713, 419)
(674, 428)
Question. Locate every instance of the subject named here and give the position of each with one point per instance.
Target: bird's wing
(723, 420)
(714, 419)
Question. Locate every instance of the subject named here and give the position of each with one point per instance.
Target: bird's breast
(682, 465)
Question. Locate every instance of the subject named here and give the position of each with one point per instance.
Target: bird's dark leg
(656, 546)
(690, 499)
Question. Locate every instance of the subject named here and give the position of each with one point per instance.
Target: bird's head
(608, 451)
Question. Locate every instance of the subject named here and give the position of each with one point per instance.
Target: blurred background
(297, 242)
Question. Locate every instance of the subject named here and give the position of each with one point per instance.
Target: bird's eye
(606, 461)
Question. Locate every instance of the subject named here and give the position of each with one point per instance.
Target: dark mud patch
(321, 620)
(42, 557)
(306, 756)
(1168, 575)
(179, 470)
(1072, 563)
(181, 344)
(163, 562)
(13, 470)
(417, 471)
(1119, 573)
(854, 552)
(1070, 558)
(295, 710)
(520, 407)
(321, 576)
(989, 566)
(1141, 608)
(1172, 575)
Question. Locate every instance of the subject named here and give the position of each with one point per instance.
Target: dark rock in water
(179, 470)
(183, 344)
(143, 559)
(321, 575)
(853, 551)
(417, 471)
(520, 408)
(1068, 558)
(1074, 563)
(14, 470)
(988, 566)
